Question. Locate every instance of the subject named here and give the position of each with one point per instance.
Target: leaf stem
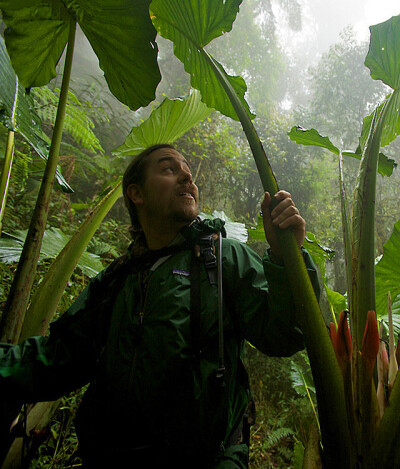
(17, 301)
(5, 174)
(326, 372)
(45, 300)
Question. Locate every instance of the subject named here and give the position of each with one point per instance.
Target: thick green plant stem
(363, 234)
(325, 368)
(45, 300)
(5, 174)
(345, 227)
(17, 301)
(363, 278)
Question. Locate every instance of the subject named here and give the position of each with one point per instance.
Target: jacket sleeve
(45, 368)
(261, 299)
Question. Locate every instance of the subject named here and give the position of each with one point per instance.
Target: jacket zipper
(143, 287)
(143, 284)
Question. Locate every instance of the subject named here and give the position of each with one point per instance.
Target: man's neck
(161, 237)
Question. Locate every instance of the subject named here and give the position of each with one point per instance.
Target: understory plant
(369, 370)
(36, 36)
(352, 435)
(163, 124)
(17, 114)
(191, 25)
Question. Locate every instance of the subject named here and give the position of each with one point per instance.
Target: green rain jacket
(129, 335)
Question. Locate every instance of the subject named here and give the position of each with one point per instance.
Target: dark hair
(135, 173)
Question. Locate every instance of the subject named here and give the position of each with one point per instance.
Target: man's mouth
(187, 195)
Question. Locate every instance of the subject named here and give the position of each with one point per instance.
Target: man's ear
(135, 193)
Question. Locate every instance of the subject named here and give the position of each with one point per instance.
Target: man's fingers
(282, 207)
(292, 221)
(280, 195)
(266, 202)
(281, 215)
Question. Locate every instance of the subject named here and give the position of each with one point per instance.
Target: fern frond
(278, 434)
(77, 123)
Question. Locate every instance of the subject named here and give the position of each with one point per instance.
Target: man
(146, 334)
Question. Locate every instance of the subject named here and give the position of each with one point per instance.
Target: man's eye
(169, 169)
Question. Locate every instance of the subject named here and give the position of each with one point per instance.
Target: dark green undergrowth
(282, 415)
(277, 438)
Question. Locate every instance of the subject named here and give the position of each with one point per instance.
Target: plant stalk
(363, 235)
(45, 300)
(326, 372)
(363, 278)
(5, 174)
(345, 228)
(17, 301)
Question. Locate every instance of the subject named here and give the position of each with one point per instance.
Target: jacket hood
(204, 227)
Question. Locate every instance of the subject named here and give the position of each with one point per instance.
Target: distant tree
(342, 91)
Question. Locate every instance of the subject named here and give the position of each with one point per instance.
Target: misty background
(303, 62)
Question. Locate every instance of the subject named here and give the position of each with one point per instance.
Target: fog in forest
(303, 65)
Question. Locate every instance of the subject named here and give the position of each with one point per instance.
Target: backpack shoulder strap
(205, 252)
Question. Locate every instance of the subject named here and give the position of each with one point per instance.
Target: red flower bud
(344, 345)
(370, 343)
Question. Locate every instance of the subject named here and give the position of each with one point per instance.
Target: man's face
(168, 193)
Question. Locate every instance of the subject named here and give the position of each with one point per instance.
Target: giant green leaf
(387, 272)
(301, 377)
(391, 128)
(304, 136)
(191, 25)
(383, 61)
(120, 32)
(17, 114)
(45, 300)
(54, 240)
(166, 123)
(383, 58)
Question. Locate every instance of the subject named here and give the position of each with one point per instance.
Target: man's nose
(186, 175)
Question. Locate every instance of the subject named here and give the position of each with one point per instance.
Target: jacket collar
(139, 251)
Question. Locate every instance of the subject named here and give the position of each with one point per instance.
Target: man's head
(158, 188)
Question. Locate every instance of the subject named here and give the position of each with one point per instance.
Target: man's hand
(284, 215)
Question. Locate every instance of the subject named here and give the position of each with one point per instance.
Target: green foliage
(54, 240)
(16, 107)
(312, 137)
(77, 122)
(167, 123)
(17, 111)
(337, 106)
(387, 272)
(298, 455)
(60, 448)
(37, 34)
(282, 415)
(228, 180)
(191, 27)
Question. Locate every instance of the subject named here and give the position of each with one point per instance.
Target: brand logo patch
(182, 273)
